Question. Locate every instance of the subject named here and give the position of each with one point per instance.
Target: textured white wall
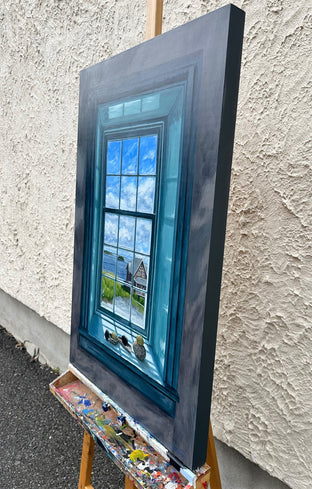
(43, 47)
(263, 379)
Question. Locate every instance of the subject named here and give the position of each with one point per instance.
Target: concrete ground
(40, 442)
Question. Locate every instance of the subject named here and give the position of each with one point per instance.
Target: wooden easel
(87, 460)
(127, 444)
(153, 28)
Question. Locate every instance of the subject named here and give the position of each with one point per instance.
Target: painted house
(136, 269)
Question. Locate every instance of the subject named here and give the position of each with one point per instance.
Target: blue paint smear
(87, 411)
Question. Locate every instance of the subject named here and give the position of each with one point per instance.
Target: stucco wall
(263, 380)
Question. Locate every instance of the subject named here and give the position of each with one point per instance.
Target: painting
(155, 141)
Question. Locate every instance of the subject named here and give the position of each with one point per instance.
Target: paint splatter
(137, 455)
(130, 452)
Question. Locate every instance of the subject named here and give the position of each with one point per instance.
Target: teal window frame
(157, 376)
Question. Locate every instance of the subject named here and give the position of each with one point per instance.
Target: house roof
(140, 281)
(136, 262)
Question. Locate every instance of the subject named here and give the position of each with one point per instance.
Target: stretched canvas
(155, 140)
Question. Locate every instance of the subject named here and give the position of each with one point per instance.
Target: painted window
(129, 218)
(134, 257)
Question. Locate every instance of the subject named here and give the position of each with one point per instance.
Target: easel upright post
(86, 462)
(154, 14)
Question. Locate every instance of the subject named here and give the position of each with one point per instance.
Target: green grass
(108, 289)
(108, 285)
(138, 302)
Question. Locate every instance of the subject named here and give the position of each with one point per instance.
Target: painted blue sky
(113, 157)
(146, 194)
(130, 191)
(148, 153)
(128, 195)
(130, 186)
(130, 151)
(111, 229)
(143, 236)
(126, 232)
(112, 192)
(128, 235)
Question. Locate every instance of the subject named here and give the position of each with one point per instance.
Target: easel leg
(212, 461)
(86, 462)
(129, 484)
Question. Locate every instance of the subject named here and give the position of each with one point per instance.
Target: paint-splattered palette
(120, 437)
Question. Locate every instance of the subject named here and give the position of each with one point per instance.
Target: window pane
(151, 102)
(113, 157)
(124, 258)
(115, 111)
(122, 300)
(148, 154)
(107, 293)
(138, 307)
(126, 232)
(128, 193)
(110, 229)
(130, 149)
(143, 236)
(132, 107)
(112, 192)
(146, 194)
(141, 266)
(109, 261)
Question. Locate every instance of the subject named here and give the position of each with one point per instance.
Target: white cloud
(146, 193)
(128, 193)
(112, 200)
(143, 235)
(111, 229)
(126, 232)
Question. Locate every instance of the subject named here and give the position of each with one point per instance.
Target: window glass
(111, 229)
(128, 225)
(128, 195)
(113, 157)
(130, 150)
(143, 236)
(148, 154)
(112, 192)
(146, 194)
